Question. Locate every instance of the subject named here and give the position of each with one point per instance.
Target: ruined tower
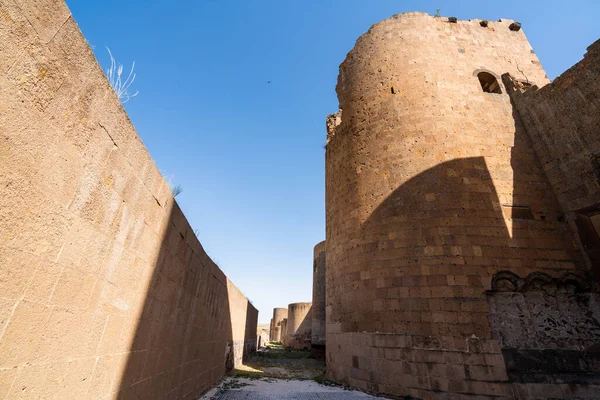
(439, 214)
(299, 325)
(278, 315)
(318, 301)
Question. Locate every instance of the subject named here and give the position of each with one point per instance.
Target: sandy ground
(233, 388)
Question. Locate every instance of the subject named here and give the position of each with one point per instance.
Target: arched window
(489, 83)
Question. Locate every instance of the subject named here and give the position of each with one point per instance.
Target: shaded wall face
(244, 322)
(106, 291)
(563, 122)
(427, 177)
(318, 300)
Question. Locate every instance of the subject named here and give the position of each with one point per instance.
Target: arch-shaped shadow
(433, 237)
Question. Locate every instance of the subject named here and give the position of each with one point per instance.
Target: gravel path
(281, 373)
(277, 389)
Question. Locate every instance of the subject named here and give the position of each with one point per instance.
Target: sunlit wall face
(105, 289)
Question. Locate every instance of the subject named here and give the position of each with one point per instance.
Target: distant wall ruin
(105, 291)
(278, 316)
(283, 335)
(318, 299)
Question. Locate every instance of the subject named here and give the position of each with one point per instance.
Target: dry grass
(276, 361)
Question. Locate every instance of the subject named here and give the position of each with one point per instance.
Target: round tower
(318, 301)
(278, 315)
(432, 188)
(299, 325)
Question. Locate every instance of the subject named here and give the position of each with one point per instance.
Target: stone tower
(299, 325)
(435, 200)
(278, 315)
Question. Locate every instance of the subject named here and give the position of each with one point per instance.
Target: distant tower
(432, 189)
(299, 325)
(278, 315)
(318, 301)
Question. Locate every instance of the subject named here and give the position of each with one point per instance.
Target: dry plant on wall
(115, 77)
(175, 189)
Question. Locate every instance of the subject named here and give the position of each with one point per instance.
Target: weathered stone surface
(105, 290)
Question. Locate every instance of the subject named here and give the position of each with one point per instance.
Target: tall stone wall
(299, 325)
(318, 298)
(105, 290)
(434, 193)
(562, 119)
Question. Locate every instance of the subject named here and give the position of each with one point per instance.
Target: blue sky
(248, 153)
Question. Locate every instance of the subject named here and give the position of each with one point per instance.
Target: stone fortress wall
(443, 228)
(318, 299)
(105, 291)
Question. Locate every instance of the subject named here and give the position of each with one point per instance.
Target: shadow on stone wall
(441, 237)
(184, 342)
(251, 338)
(306, 324)
(433, 231)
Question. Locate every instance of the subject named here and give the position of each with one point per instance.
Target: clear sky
(249, 153)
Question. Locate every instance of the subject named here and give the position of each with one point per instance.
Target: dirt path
(279, 373)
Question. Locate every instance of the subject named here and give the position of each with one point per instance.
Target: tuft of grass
(119, 83)
(232, 384)
(253, 375)
(322, 380)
